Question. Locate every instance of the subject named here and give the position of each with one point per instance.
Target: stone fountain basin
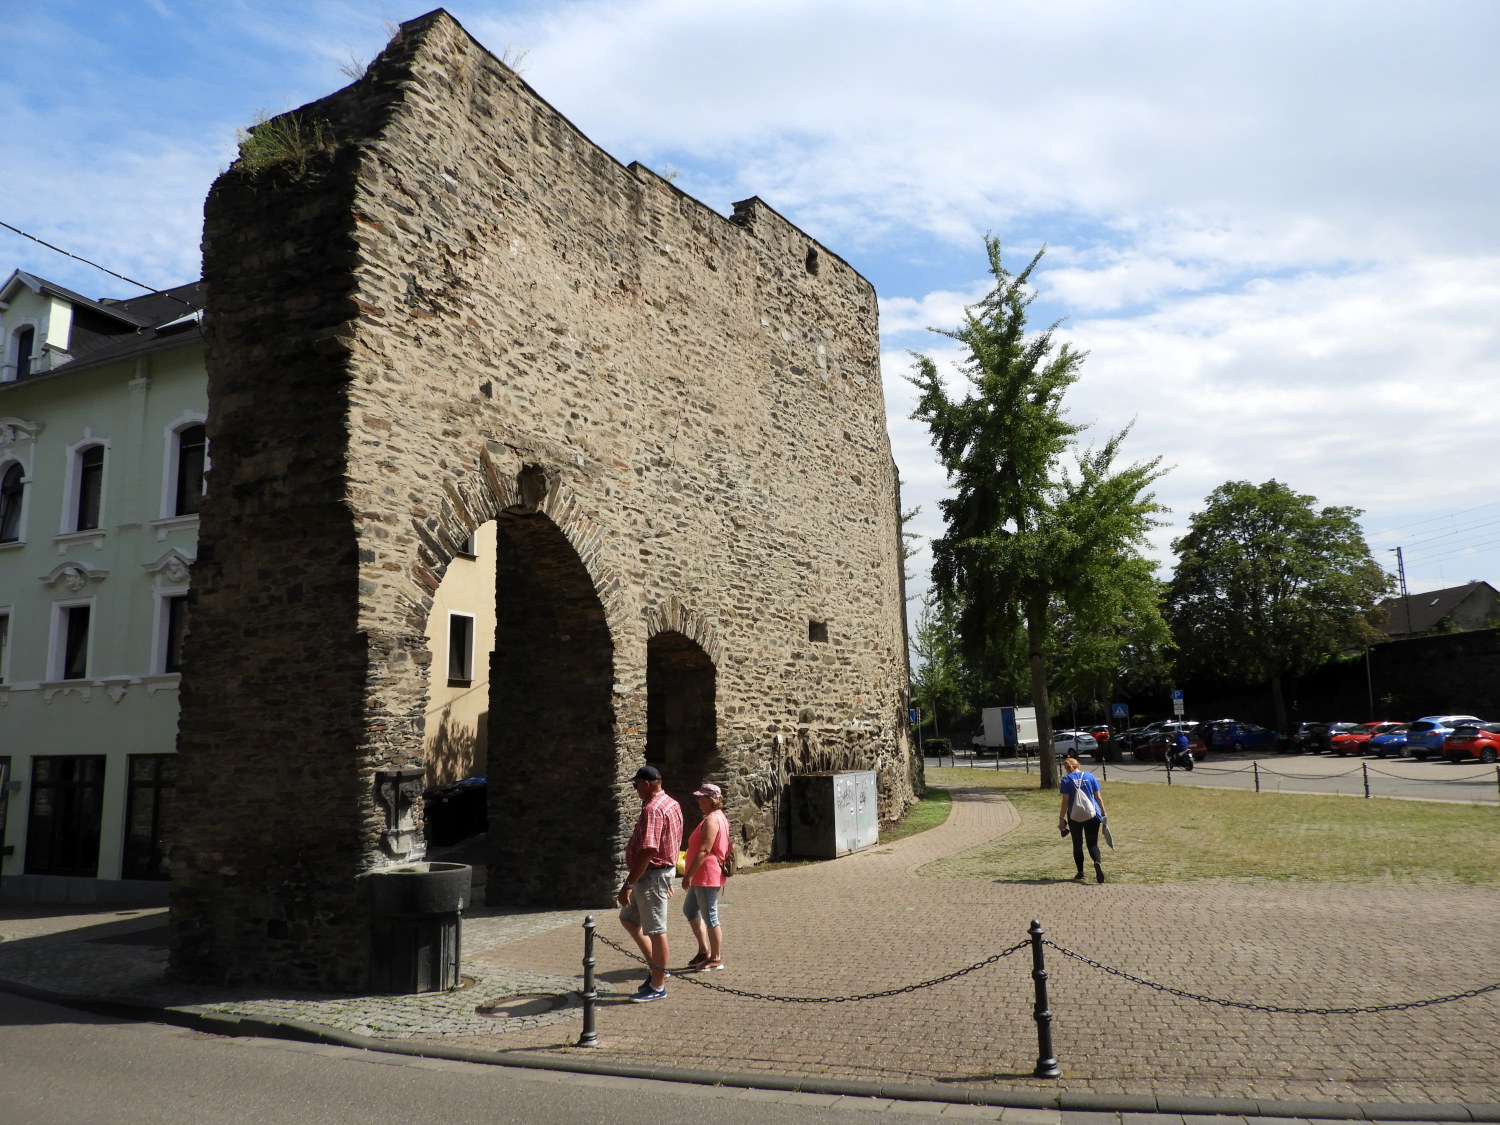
(420, 888)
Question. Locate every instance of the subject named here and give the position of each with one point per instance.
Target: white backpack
(1082, 808)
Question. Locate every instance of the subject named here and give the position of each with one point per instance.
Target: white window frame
(57, 657)
(11, 367)
(465, 666)
(170, 466)
(5, 463)
(161, 633)
(72, 482)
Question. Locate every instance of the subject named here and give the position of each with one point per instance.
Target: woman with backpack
(1081, 814)
(703, 877)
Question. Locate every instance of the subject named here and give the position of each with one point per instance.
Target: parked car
(1230, 735)
(1154, 749)
(1306, 738)
(1425, 737)
(1469, 742)
(1074, 742)
(1390, 743)
(1101, 734)
(1354, 741)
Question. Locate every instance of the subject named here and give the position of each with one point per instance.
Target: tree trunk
(1036, 633)
(1278, 703)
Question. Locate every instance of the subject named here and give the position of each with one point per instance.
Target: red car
(1101, 734)
(1154, 749)
(1467, 742)
(1355, 741)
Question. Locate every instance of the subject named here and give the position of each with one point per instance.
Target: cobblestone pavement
(874, 921)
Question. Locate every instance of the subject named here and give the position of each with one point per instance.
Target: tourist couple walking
(651, 863)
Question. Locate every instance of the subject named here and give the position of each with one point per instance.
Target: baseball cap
(709, 789)
(647, 773)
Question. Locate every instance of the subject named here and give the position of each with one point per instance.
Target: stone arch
(682, 715)
(552, 731)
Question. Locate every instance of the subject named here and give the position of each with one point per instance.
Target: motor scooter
(1178, 757)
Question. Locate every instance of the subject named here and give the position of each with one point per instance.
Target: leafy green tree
(1023, 534)
(1268, 585)
(939, 684)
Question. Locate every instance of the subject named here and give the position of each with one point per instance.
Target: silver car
(1074, 743)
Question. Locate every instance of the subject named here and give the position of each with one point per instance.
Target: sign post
(1177, 702)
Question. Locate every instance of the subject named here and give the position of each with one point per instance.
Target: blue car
(1391, 744)
(1425, 737)
(1241, 736)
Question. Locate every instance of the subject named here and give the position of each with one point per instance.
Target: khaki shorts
(648, 900)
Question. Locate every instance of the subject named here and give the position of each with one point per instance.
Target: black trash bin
(416, 911)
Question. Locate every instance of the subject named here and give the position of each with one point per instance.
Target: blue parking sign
(1119, 711)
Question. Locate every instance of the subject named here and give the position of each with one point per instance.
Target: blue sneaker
(645, 994)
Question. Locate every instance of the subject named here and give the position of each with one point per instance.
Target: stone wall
(463, 310)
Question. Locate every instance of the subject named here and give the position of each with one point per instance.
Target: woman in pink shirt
(703, 877)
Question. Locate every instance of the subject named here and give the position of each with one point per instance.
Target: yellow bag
(681, 864)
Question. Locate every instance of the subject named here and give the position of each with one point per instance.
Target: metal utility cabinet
(833, 814)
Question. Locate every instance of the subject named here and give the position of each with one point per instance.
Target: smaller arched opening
(681, 720)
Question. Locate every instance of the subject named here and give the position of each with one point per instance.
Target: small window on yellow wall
(460, 649)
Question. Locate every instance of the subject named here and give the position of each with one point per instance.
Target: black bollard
(1256, 767)
(1366, 767)
(590, 1037)
(1046, 1062)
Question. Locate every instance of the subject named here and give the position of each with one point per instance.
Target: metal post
(1256, 767)
(1046, 1061)
(590, 1036)
(1169, 773)
(1497, 778)
(1104, 769)
(1365, 766)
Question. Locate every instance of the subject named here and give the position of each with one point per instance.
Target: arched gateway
(441, 305)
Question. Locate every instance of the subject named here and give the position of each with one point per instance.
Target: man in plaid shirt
(651, 859)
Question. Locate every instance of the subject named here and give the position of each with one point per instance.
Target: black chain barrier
(1253, 1007)
(696, 979)
(1046, 1065)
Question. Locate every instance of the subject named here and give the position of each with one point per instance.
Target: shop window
(67, 805)
(148, 803)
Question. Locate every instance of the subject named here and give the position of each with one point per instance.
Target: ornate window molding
(171, 569)
(75, 576)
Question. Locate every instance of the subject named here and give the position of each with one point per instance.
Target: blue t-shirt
(1071, 783)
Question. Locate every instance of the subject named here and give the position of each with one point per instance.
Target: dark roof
(1423, 611)
(108, 331)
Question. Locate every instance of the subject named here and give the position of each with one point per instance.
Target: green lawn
(1171, 834)
(927, 813)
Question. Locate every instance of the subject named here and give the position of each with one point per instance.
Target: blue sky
(1272, 226)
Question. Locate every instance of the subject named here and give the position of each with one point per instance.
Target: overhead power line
(77, 258)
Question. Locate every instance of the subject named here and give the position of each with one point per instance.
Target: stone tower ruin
(443, 305)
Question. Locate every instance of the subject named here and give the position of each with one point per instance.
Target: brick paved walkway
(871, 921)
(874, 921)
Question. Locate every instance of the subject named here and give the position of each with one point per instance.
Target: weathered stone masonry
(465, 311)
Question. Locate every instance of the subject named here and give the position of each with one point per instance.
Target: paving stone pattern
(872, 921)
(875, 920)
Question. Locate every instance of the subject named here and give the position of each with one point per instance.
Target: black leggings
(1090, 829)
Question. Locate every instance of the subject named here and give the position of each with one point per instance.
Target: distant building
(102, 462)
(103, 466)
(1458, 609)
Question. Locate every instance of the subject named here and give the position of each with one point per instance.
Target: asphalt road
(1302, 773)
(63, 1067)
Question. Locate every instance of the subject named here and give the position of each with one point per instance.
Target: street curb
(215, 1023)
